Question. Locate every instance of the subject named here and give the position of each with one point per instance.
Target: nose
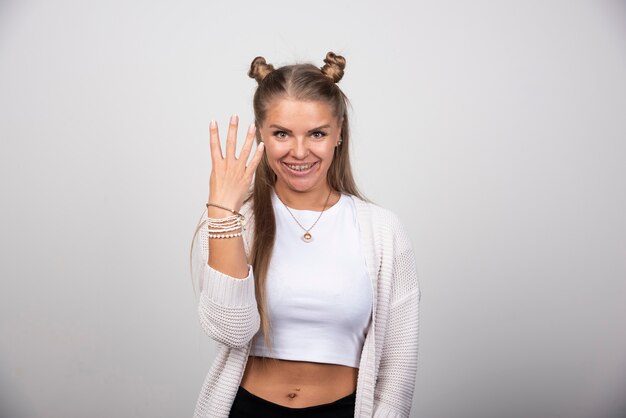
(300, 149)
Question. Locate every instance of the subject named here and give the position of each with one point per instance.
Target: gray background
(496, 130)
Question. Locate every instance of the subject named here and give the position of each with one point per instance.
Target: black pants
(247, 405)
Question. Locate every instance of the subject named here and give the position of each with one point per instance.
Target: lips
(300, 168)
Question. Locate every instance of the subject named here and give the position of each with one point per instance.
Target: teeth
(299, 167)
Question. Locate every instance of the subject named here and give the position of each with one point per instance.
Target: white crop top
(319, 294)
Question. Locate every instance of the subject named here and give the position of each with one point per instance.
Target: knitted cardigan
(228, 314)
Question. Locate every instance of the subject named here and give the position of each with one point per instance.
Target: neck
(310, 200)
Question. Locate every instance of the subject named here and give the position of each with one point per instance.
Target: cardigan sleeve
(227, 306)
(393, 394)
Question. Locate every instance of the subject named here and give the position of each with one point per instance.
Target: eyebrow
(282, 128)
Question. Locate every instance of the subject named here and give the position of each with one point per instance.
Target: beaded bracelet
(223, 223)
(220, 227)
(238, 234)
(219, 230)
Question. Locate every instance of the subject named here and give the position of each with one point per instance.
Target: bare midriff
(298, 384)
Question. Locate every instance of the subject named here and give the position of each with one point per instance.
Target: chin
(300, 186)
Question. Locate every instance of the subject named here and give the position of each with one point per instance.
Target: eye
(318, 135)
(280, 134)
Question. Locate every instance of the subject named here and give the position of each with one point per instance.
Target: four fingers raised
(231, 144)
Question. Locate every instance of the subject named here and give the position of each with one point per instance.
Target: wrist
(215, 212)
(226, 202)
(215, 209)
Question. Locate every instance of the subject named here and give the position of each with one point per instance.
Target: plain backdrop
(495, 129)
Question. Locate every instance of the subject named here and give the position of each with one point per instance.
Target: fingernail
(212, 124)
(233, 119)
(252, 127)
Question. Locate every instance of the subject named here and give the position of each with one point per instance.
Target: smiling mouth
(300, 167)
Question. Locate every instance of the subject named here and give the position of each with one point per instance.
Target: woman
(310, 291)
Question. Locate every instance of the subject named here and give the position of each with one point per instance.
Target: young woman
(310, 291)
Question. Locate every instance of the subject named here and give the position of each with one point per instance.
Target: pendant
(307, 237)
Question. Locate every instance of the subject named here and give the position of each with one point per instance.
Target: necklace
(307, 237)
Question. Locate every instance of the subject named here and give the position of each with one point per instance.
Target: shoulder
(394, 249)
(380, 217)
(386, 227)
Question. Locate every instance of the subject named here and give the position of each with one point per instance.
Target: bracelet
(234, 212)
(222, 224)
(238, 234)
(220, 227)
(229, 220)
(220, 230)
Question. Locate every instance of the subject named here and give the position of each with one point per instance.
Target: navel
(292, 395)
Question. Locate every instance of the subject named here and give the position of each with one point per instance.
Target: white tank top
(319, 294)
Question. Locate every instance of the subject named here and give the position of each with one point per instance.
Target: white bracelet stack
(223, 227)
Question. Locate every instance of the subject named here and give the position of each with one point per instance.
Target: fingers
(231, 142)
(231, 138)
(256, 159)
(216, 147)
(247, 145)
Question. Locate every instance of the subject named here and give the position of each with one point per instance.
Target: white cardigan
(228, 314)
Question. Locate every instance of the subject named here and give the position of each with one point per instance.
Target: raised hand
(231, 176)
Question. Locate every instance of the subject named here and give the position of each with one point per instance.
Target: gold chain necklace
(307, 237)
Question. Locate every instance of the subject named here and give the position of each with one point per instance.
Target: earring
(339, 142)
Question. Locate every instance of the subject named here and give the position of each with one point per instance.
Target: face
(300, 139)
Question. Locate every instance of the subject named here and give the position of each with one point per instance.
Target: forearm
(227, 309)
(227, 255)
(227, 306)
(228, 185)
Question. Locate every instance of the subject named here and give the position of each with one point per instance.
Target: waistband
(264, 407)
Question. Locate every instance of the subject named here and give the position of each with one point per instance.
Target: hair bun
(334, 66)
(259, 69)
